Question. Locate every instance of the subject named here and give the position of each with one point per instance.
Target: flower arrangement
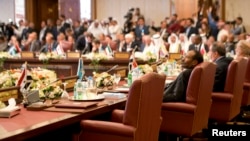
(145, 68)
(49, 55)
(45, 57)
(9, 78)
(40, 79)
(96, 58)
(103, 80)
(3, 57)
(51, 92)
(150, 57)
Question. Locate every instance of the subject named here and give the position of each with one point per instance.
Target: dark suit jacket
(192, 47)
(64, 27)
(52, 30)
(176, 90)
(78, 32)
(45, 48)
(138, 31)
(35, 46)
(221, 73)
(133, 45)
(82, 45)
(192, 30)
(230, 47)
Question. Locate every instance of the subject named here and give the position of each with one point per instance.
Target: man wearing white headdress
(114, 29)
(174, 45)
(148, 45)
(159, 44)
(183, 40)
(96, 29)
(105, 27)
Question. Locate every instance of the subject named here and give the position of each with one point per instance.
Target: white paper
(113, 95)
(11, 107)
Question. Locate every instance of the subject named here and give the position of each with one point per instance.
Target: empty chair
(141, 119)
(187, 118)
(226, 105)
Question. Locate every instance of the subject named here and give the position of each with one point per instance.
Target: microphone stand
(112, 68)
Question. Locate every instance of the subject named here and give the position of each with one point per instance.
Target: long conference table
(31, 124)
(68, 67)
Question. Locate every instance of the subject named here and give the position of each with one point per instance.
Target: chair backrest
(248, 70)
(199, 92)
(235, 76)
(234, 81)
(143, 107)
(199, 82)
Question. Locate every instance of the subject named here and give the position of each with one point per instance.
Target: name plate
(122, 55)
(123, 73)
(7, 93)
(73, 55)
(27, 54)
(174, 56)
(71, 80)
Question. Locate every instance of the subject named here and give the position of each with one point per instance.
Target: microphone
(83, 51)
(135, 49)
(114, 67)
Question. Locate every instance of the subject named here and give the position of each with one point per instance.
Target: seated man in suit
(50, 44)
(218, 53)
(130, 44)
(84, 43)
(198, 45)
(176, 90)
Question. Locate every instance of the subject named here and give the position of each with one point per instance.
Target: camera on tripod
(128, 25)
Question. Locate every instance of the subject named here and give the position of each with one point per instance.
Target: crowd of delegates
(173, 35)
(192, 36)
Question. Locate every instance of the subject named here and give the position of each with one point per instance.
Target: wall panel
(185, 8)
(238, 8)
(70, 8)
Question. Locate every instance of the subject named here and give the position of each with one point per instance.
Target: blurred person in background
(3, 43)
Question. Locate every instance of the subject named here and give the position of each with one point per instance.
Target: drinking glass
(91, 92)
(117, 78)
(65, 94)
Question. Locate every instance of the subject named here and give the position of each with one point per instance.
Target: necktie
(31, 46)
(49, 48)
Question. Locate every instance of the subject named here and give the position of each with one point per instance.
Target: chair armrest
(179, 107)
(106, 127)
(246, 85)
(222, 96)
(117, 116)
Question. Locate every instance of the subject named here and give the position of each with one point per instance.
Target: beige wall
(7, 10)
(153, 10)
(235, 8)
(185, 8)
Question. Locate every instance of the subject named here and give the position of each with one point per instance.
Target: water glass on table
(117, 78)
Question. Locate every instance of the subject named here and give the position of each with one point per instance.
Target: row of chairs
(145, 116)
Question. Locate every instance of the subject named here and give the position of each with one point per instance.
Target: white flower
(96, 56)
(43, 56)
(145, 68)
(103, 79)
(49, 55)
(5, 55)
